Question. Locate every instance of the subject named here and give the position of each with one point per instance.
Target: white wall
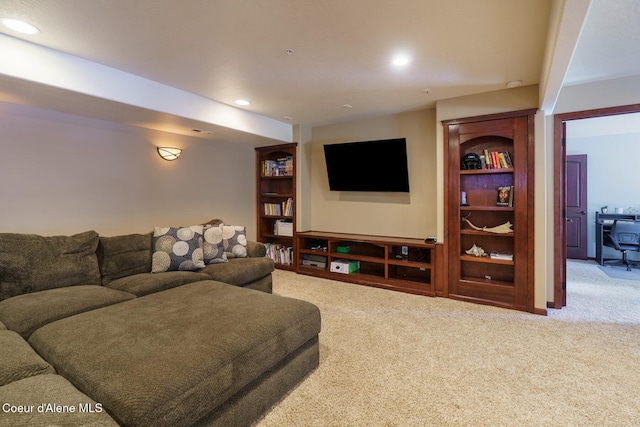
(63, 174)
(613, 172)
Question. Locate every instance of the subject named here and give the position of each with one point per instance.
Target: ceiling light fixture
(242, 102)
(20, 26)
(169, 153)
(514, 83)
(401, 60)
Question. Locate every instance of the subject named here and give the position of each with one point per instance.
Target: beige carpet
(395, 359)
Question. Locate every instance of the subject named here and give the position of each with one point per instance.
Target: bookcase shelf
(502, 282)
(382, 263)
(276, 191)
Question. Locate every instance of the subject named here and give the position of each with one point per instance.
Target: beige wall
(63, 174)
(384, 214)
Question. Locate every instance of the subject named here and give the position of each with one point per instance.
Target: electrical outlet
(405, 251)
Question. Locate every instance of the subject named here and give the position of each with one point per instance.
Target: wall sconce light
(169, 153)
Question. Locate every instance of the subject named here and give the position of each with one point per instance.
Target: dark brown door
(577, 206)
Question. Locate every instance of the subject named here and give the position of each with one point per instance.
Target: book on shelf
(279, 209)
(273, 209)
(507, 256)
(279, 167)
(505, 196)
(280, 254)
(495, 160)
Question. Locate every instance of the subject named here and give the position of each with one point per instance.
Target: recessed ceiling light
(20, 26)
(401, 60)
(514, 83)
(242, 102)
(288, 118)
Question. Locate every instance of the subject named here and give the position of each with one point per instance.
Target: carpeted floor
(394, 359)
(617, 271)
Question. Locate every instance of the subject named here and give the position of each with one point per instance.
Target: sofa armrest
(256, 249)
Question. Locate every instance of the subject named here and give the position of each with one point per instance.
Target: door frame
(559, 188)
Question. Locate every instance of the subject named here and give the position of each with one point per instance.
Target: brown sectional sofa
(88, 336)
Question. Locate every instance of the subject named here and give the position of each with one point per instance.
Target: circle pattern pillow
(234, 239)
(177, 249)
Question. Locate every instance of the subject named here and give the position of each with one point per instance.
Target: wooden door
(576, 194)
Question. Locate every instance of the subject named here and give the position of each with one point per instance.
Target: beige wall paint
(63, 174)
(384, 214)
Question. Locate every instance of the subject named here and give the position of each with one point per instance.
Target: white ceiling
(222, 50)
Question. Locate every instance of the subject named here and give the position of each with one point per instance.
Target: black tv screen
(368, 166)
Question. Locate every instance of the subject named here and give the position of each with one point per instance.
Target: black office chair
(624, 236)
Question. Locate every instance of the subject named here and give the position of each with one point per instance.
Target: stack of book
(280, 167)
(279, 209)
(280, 254)
(496, 160)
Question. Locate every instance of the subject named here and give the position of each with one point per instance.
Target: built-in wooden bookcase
(401, 264)
(276, 202)
(490, 279)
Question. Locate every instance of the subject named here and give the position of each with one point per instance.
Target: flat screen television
(368, 166)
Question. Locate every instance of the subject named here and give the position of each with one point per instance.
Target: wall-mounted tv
(368, 166)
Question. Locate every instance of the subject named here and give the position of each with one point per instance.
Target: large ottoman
(204, 353)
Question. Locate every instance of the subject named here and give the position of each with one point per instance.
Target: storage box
(314, 261)
(345, 266)
(283, 227)
(343, 249)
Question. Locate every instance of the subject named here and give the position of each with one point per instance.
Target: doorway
(560, 196)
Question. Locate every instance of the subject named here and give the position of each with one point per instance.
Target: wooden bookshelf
(500, 282)
(381, 260)
(276, 202)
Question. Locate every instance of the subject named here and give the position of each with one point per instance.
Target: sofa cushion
(148, 283)
(2, 326)
(121, 256)
(18, 360)
(213, 245)
(50, 390)
(256, 249)
(234, 238)
(26, 313)
(31, 263)
(177, 249)
(174, 356)
(240, 271)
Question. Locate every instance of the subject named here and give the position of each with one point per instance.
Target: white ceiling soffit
(183, 64)
(118, 95)
(342, 49)
(566, 23)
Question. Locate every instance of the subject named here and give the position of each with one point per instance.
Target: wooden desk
(603, 225)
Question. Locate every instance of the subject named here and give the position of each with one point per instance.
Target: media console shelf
(382, 261)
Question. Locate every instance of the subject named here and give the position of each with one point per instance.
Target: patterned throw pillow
(177, 248)
(213, 246)
(234, 239)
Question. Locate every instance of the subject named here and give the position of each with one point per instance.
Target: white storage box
(345, 266)
(284, 227)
